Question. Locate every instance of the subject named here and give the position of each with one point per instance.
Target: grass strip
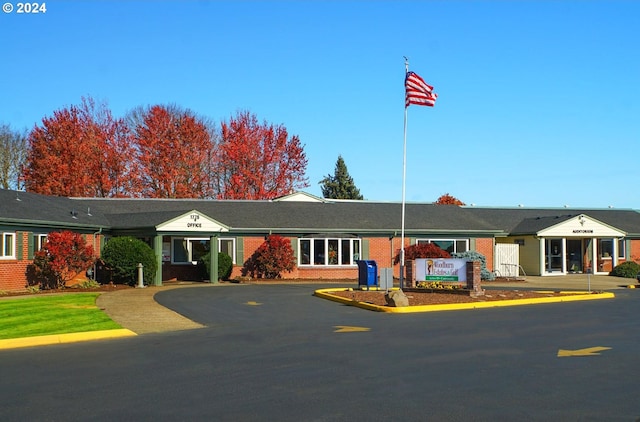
(55, 314)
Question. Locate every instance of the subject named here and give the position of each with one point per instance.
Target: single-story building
(327, 236)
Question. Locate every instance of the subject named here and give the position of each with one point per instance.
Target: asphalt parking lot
(278, 353)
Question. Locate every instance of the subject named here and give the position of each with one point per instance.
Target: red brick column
(473, 278)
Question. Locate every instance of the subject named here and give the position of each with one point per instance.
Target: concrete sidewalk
(567, 282)
(137, 310)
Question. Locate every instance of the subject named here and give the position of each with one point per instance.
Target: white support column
(543, 268)
(564, 255)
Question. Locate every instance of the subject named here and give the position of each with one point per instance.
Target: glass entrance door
(553, 255)
(574, 255)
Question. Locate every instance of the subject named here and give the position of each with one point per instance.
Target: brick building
(327, 236)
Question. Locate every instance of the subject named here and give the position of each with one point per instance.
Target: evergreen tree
(340, 185)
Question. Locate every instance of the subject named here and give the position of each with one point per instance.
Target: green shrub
(122, 255)
(476, 256)
(88, 284)
(225, 265)
(627, 269)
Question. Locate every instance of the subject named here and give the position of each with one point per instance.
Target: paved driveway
(272, 353)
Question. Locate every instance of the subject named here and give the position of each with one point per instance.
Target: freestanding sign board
(441, 269)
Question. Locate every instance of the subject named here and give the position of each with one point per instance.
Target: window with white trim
(38, 241)
(7, 245)
(188, 250)
(449, 245)
(329, 251)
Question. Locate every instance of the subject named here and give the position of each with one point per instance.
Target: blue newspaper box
(367, 273)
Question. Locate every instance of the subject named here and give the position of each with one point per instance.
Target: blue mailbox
(367, 273)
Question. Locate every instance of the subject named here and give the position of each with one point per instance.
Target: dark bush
(627, 269)
(225, 265)
(476, 256)
(122, 255)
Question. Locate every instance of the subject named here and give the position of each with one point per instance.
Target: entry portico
(560, 245)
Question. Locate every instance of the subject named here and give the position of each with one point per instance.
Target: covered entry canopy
(574, 244)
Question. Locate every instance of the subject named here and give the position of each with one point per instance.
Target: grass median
(55, 314)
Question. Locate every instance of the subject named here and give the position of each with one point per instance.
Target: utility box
(367, 273)
(386, 278)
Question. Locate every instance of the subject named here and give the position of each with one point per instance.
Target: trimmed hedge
(225, 265)
(627, 269)
(122, 255)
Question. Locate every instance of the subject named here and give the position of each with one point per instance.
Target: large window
(7, 245)
(449, 245)
(185, 250)
(336, 251)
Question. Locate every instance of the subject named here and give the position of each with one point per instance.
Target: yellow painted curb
(15, 343)
(570, 297)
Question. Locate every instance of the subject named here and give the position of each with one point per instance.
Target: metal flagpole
(404, 178)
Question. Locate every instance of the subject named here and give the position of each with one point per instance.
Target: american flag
(418, 92)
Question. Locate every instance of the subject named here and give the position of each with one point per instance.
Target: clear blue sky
(539, 101)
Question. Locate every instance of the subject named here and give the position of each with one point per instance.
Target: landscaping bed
(417, 298)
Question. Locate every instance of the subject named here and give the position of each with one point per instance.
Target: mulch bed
(103, 288)
(440, 298)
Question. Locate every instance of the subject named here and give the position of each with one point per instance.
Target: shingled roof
(296, 217)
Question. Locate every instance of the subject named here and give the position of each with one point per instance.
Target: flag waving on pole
(418, 92)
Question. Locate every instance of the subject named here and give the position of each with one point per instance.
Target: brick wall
(485, 247)
(13, 271)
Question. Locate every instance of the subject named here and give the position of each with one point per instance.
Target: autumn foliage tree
(447, 199)
(258, 161)
(422, 250)
(271, 259)
(80, 151)
(160, 152)
(174, 154)
(62, 257)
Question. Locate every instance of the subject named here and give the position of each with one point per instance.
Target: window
(186, 250)
(7, 245)
(605, 248)
(38, 241)
(330, 251)
(449, 245)
(622, 253)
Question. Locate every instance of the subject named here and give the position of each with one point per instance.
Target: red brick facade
(13, 271)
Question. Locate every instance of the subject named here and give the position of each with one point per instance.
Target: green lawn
(55, 314)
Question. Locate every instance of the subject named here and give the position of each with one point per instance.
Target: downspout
(99, 232)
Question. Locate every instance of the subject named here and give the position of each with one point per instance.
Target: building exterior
(327, 236)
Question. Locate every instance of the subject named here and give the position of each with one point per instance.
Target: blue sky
(539, 101)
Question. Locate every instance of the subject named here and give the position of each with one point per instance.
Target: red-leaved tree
(271, 259)
(174, 154)
(80, 151)
(447, 199)
(62, 257)
(422, 250)
(258, 161)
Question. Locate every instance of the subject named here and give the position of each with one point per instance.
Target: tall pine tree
(340, 185)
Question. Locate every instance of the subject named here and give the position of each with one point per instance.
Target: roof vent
(74, 214)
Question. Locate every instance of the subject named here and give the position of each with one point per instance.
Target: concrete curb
(570, 297)
(16, 343)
